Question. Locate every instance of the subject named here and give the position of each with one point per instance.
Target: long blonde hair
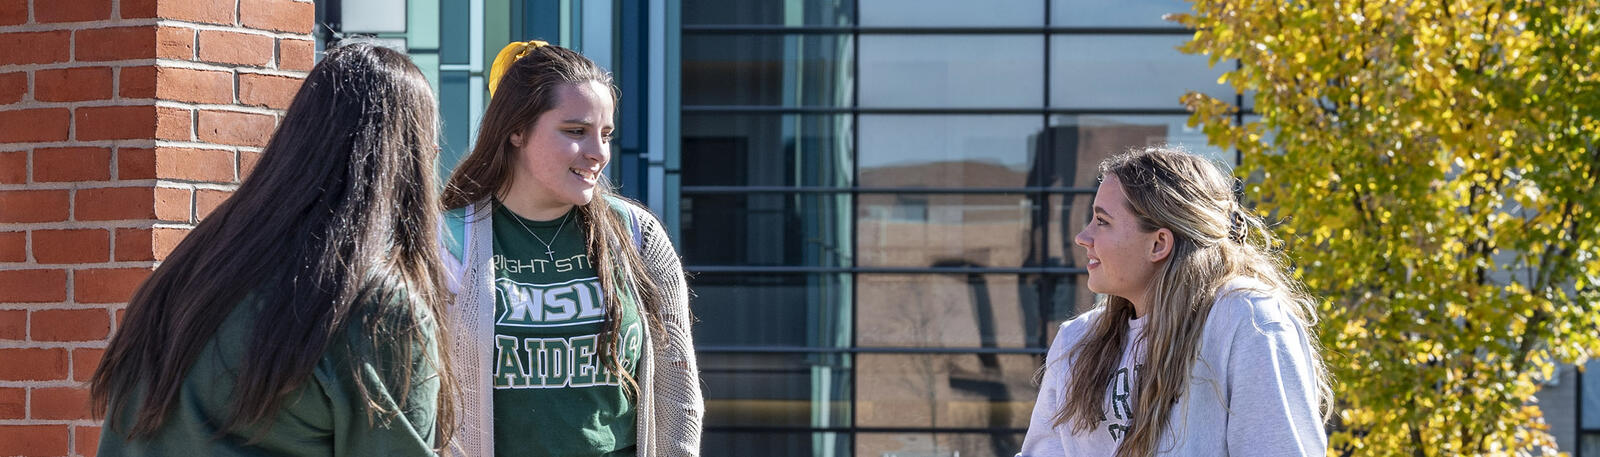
(1215, 239)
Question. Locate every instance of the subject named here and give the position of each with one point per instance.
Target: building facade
(875, 198)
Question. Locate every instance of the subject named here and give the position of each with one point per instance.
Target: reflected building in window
(878, 200)
(883, 220)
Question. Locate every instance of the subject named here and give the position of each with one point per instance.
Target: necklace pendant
(551, 253)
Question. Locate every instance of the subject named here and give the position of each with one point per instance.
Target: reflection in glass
(943, 230)
(952, 13)
(715, 443)
(768, 12)
(766, 150)
(1084, 140)
(1068, 214)
(946, 390)
(1115, 13)
(1065, 298)
(938, 444)
(772, 309)
(776, 390)
(768, 70)
(1127, 71)
(949, 310)
(952, 71)
(766, 229)
(455, 102)
(948, 150)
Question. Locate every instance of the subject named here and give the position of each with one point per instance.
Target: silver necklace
(548, 251)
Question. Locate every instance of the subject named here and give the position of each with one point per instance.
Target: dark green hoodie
(326, 416)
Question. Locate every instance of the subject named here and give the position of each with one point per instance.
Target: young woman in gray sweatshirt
(1201, 343)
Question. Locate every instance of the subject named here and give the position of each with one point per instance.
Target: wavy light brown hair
(1215, 239)
(526, 91)
(334, 231)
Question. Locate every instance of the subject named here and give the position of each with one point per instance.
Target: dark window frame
(855, 110)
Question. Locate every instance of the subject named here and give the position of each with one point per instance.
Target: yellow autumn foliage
(1434, 166)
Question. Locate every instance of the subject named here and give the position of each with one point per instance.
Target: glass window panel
(1068, 214)
(1591, 396)
(1115, 13)
(945, 390)
(1591, 444)
(948, 150)
(716, 443)
(952, 230)
(952, 71)
(768, 12)
(455, 36)
(772, 309)
(949, 310)
(766, 229)
(938, 444)
(1065, 297)
(455, 112)
(1128, 71)
(766, 150)
(951, 13)
(1068, 296)
(767, 70)
(776, 390)
(1082, 141)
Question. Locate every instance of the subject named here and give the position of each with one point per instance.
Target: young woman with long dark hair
(300, 318)
(572, 322)
(1201, 343)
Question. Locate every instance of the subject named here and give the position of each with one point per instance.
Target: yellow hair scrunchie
(509, 55)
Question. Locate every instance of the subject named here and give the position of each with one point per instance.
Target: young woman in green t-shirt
(571, 321)
(298, 318)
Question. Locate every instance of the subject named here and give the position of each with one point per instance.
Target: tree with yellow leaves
(1434, 166)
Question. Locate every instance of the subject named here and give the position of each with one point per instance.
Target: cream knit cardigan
(670, 406)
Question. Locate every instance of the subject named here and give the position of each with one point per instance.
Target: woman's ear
(516, 138)
(1161, 247)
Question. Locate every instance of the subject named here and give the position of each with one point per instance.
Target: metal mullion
(792, 429)
(1581, 429)
(858, 30)
(1238, 154)
(774, 109)
(855, 245)
(868, 350)
(1047, 162)
(883, 190)
(704, 370)
(800, 269)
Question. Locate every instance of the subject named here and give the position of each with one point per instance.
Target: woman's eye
(1099, 221)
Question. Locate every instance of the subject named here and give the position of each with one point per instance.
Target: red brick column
(122, 124)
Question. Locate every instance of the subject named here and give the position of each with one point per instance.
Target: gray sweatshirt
(1252, 391)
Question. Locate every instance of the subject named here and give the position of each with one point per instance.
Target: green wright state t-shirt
(553, 395)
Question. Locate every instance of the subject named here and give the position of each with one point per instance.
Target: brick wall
(122, 124)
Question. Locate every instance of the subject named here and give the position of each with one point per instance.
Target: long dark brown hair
(1215, 239)
(334, 231)
(526, 91)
